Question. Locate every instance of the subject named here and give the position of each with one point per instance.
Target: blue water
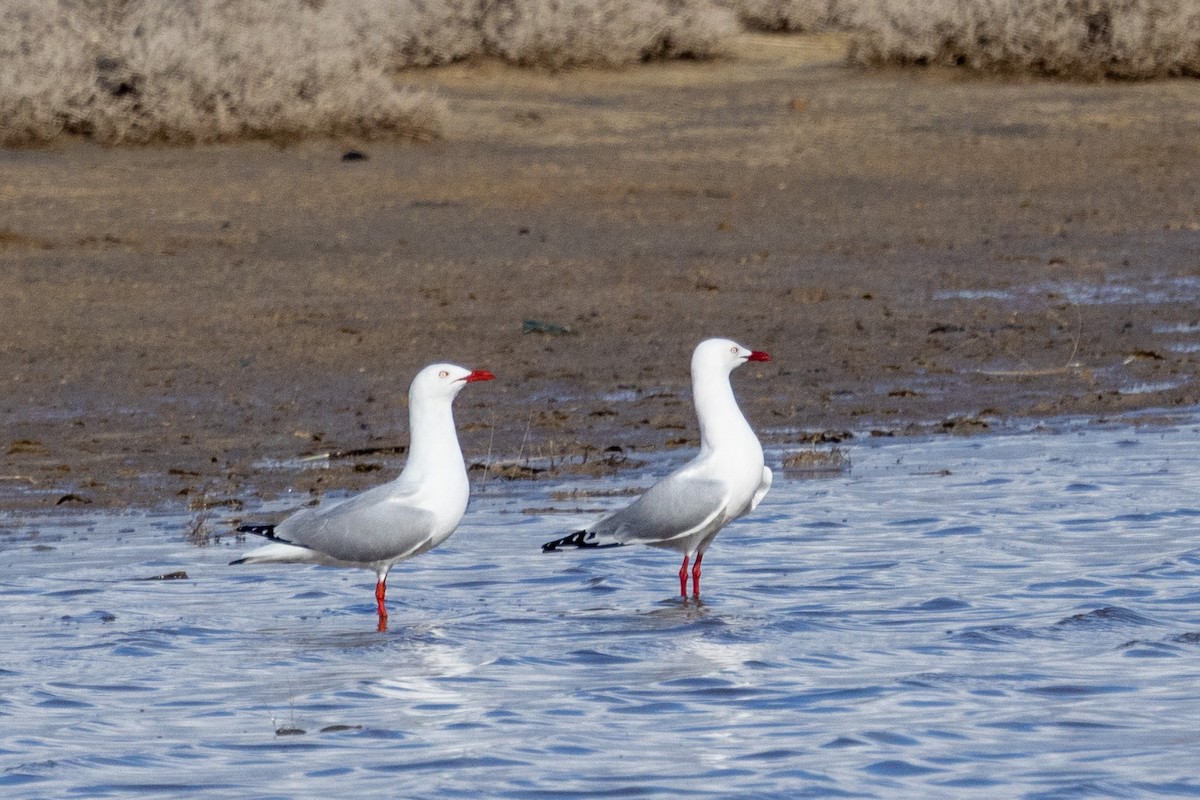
(1012, 615)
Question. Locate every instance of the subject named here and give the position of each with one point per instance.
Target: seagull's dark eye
(733, 350)
(443, 374)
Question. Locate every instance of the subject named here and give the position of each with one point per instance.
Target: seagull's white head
(445, 380)
(724, 354)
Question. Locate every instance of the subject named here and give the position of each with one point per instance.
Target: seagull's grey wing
(374, 526)
(675, 507)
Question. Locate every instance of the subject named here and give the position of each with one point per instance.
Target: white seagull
(398, 520)
(726, 480)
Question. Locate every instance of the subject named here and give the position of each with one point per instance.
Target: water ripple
(955, 616)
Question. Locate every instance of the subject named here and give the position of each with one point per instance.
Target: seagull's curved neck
(721, 421)
(433, 443)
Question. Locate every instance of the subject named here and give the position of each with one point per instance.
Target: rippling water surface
(995, 616)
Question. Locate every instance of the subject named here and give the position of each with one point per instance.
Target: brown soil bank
(919, 250)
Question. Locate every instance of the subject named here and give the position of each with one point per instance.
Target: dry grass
(1068, 38)
(135, 71)
(200, 71)
(789, 15)
(558, 33)
(186, 71)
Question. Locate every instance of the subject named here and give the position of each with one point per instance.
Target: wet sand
(920, 250)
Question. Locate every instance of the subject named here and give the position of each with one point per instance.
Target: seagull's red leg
(380, 596)
(683, 573)
(696, 575)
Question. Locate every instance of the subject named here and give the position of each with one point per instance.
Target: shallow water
(1160, 289)
(997, 616)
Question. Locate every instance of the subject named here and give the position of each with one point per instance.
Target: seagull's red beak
(480, 375)
(758, 355)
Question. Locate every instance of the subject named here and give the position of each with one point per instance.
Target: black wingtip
(239, 561)
(258, 530)
(577, 539)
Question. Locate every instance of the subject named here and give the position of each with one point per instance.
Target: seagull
(727, 479)
(398, 520)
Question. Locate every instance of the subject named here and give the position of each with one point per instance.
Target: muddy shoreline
(920, 251)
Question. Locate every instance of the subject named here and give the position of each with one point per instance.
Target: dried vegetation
(1067, 38)
(137, 71)
(791, 15)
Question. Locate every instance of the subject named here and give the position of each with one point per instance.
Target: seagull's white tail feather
(280, 553)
